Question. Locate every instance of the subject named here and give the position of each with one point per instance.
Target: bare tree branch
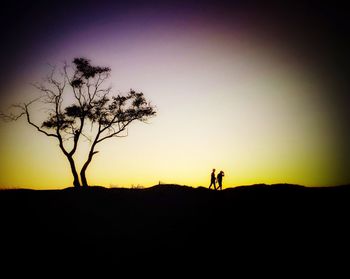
(11, 116)
(117, 132)
(34, 125)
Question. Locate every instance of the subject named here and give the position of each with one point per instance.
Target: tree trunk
(83, 172)
(85, 166)
(83, 177)
(76, 181)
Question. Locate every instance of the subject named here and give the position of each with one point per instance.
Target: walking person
(212, 180)
(219, 178)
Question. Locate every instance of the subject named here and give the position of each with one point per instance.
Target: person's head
(213, 170)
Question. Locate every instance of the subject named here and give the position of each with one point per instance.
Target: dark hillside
(174, 222)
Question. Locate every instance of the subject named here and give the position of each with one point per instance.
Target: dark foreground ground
(170, 223)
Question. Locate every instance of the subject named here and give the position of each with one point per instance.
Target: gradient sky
(259, 92)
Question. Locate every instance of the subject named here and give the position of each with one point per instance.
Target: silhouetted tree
(91, 105)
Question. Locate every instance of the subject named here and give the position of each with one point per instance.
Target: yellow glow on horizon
(241, 109)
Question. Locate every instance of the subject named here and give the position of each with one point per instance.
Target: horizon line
(172, 184)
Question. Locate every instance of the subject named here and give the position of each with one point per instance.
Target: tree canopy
(93, 105)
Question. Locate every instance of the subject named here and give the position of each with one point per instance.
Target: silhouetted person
(220, 176)
(212, 180)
